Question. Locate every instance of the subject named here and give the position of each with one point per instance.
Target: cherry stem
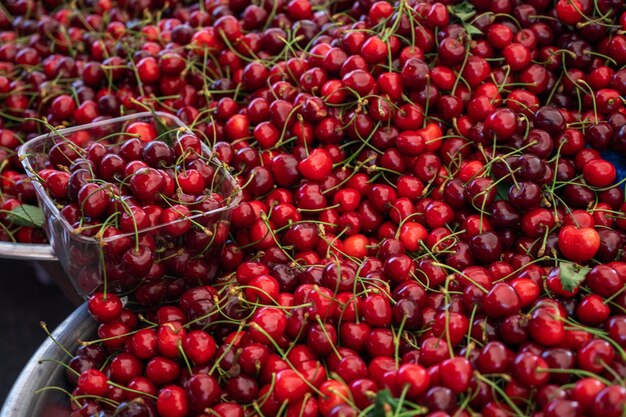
(469, 330)
(154, 397)
(44, 326)
(499, 390)
(184, 356)
(63, 364)
(446, 295)
(578, 372)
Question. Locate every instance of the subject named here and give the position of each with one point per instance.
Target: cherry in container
(135, 205)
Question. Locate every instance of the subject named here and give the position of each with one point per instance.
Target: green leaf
(472, 30)
(25, 215)
(502, 191)
(464, 11)
(572, 275)
(384, 404)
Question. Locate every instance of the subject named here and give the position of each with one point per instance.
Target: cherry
(549, 119)
(599, 173)
(359, 81)
(453, 325)
(162, 370)
(592, 311)
(93, 200)
(199, 346)
(242, 388)
(169, 337)
(62, 107)
(115, 332)
(262, 288)
(376, 310)
(105, 307)
(172, 402)
(569, 11)
(456, 374)
(557, 358)
(610, 401)
(335, 393)
(289, 386)
(144, 344)
(579, 245)
(440, 399)
(138, 261)
(585, 391)
(486, 247)
(595, 355)
(494, 358)
(268, 322)
(203, 391)
(546, 326)
(93, 382)
(191, 182)
(530, 369)
(125, 367)
(501, 301)
(146, 184)
(175, 220)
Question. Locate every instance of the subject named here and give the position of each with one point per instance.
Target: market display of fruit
(432, 219)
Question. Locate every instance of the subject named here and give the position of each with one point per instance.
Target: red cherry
(528, 369)
(501, 301)
(376, 310)
(268, 322)
(172, 402)
(599, 173)
(169, 337)
(191, 182)
(585, 391)
(610, 401)
(146, 132)
(456, 374)
(203, 391)
(569, 11)
(199, 346)
(592, 310)
(175, 220)
(144, 344)
(93, 382)
(290, 386)
(317, 166)
(146, 184)
(334, 393)
(546, 326)
(578, 245)
(105, 307)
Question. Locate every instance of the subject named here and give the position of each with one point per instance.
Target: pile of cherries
(431, 224)
(149, 197)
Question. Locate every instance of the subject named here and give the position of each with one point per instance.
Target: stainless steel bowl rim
(27, 251)
(22, 400)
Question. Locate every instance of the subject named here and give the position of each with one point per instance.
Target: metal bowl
(22, 400)
(27, 252)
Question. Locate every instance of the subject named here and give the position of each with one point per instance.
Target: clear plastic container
(89, 261)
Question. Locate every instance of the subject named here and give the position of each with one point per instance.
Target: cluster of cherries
(430, 222)
(16, 190)
(150, 198)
